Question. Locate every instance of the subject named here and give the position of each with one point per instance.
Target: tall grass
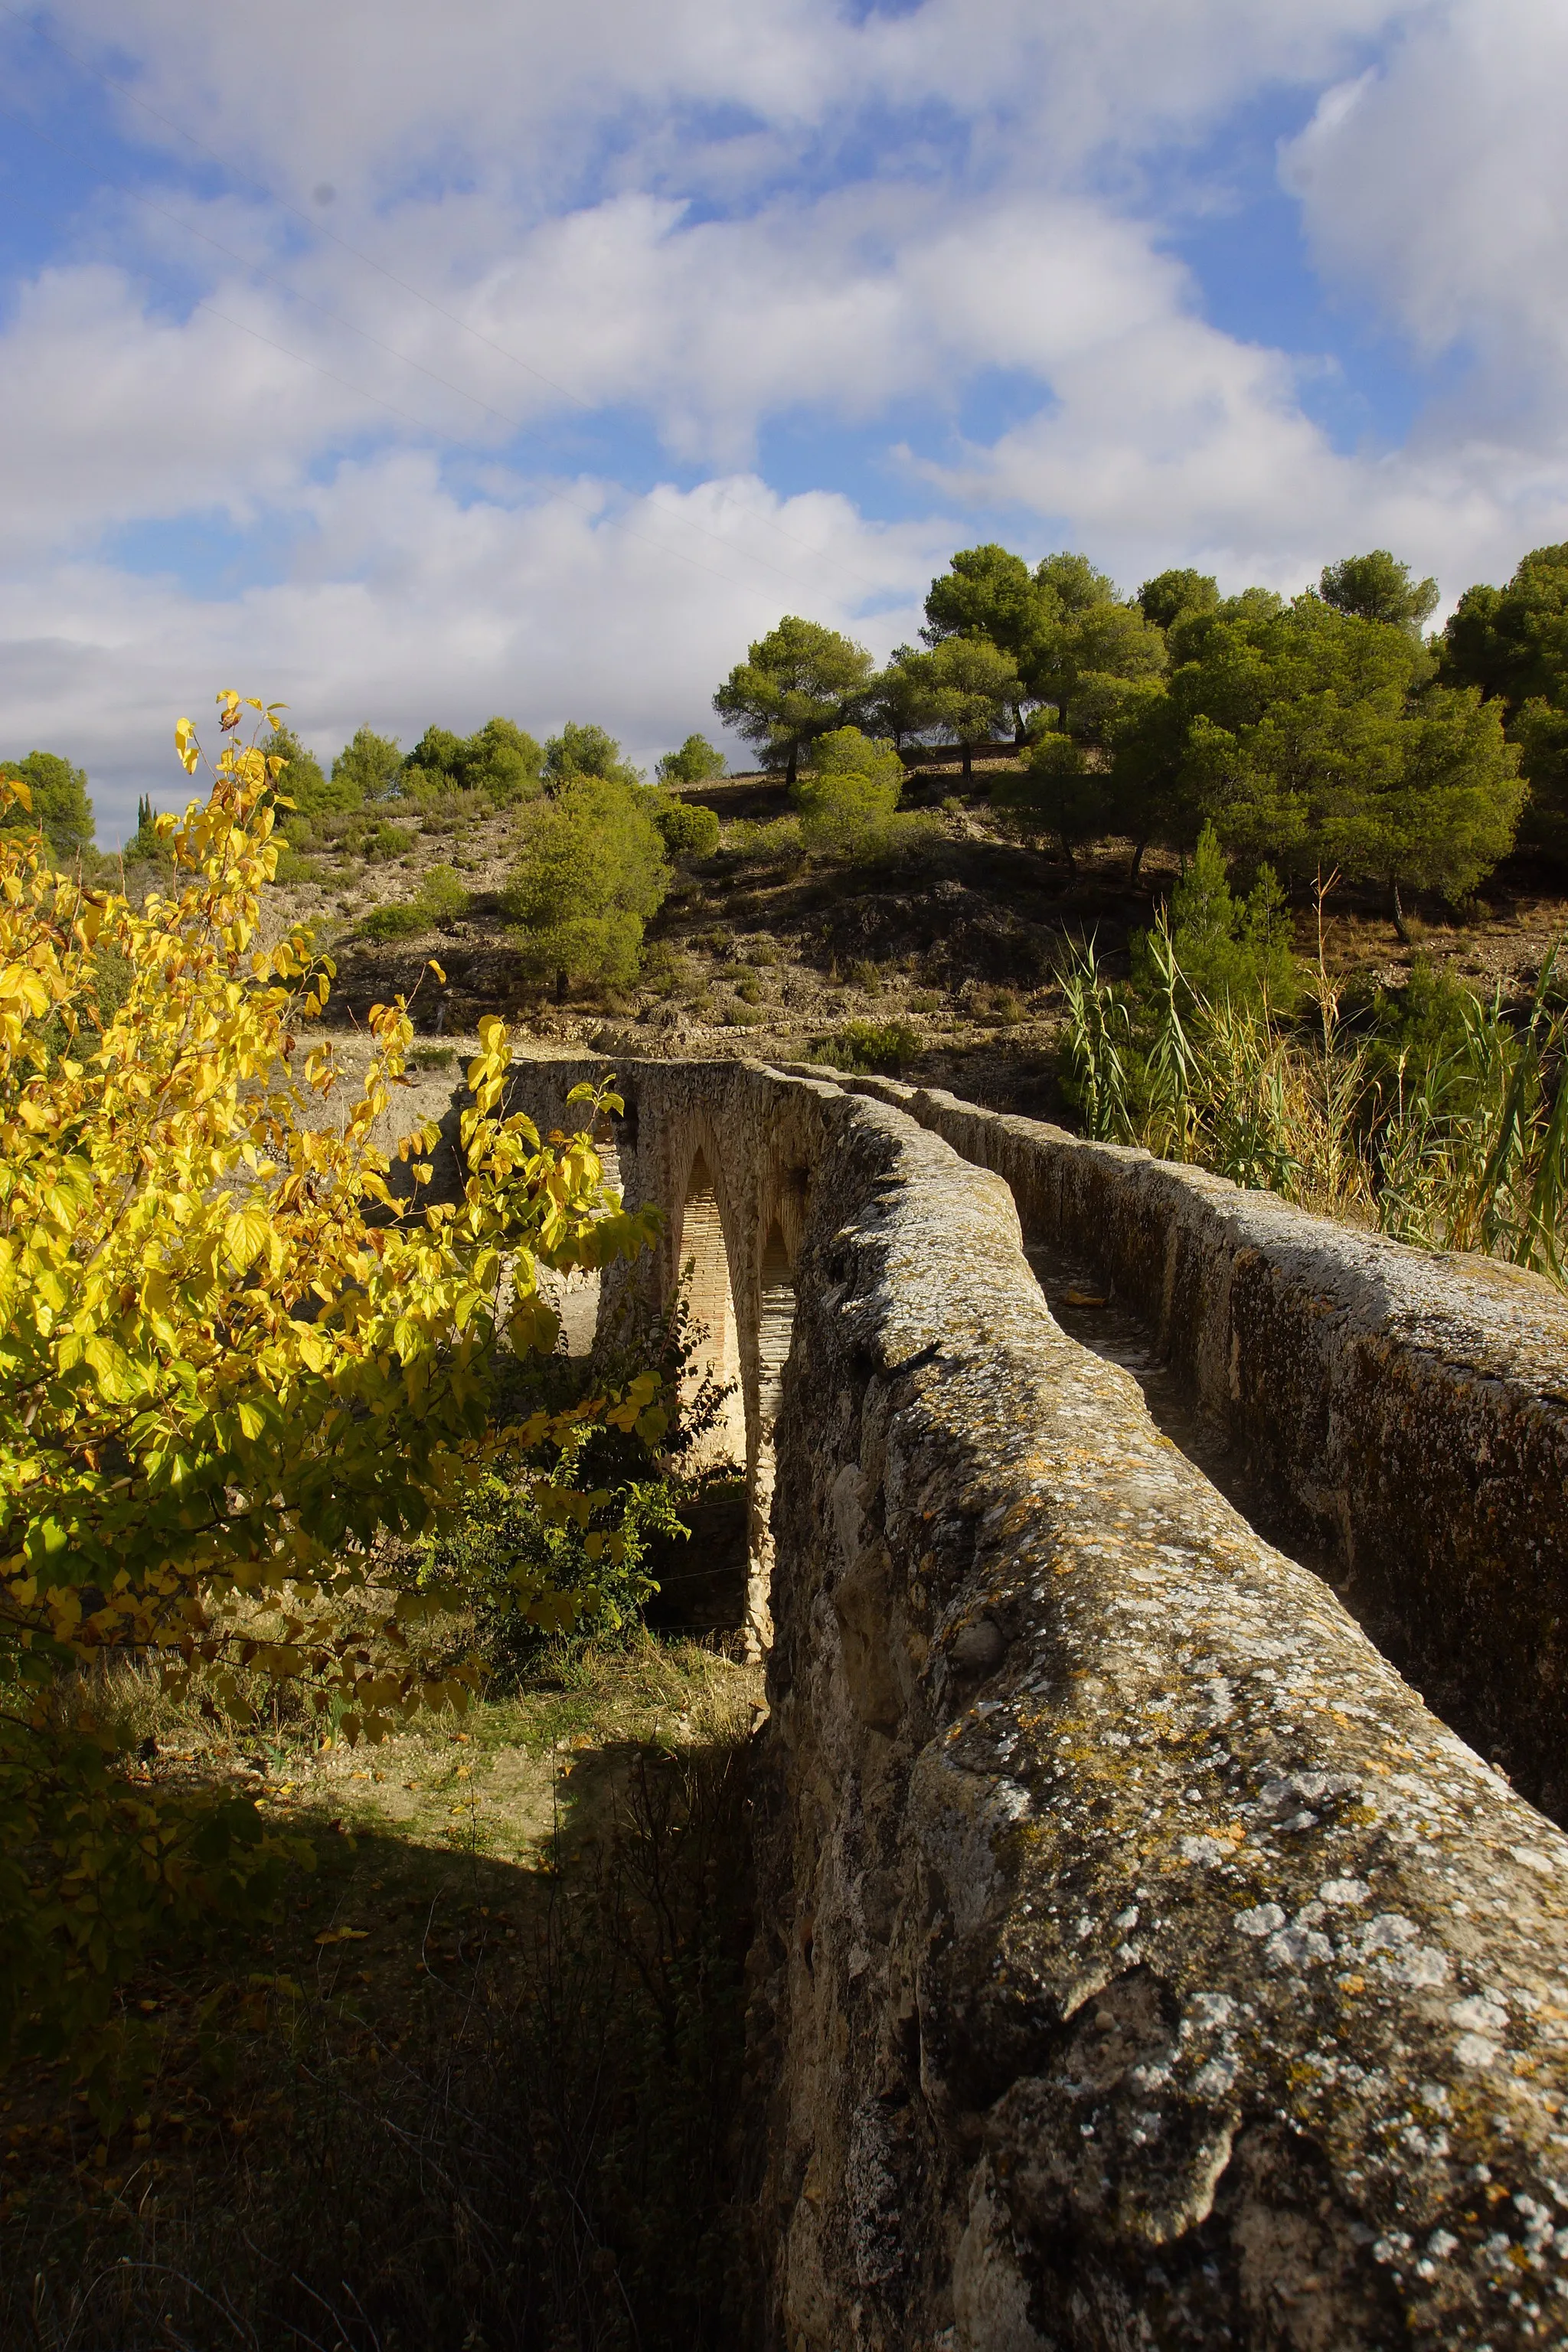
(1463, 1147)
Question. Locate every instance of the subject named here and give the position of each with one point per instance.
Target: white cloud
(1436, 185)
(413, 608)
(714, 217)
(370, 92)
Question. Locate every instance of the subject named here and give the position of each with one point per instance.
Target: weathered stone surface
(1138, 1962)
(1404, 1409)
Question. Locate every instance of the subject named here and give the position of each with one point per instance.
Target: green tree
(986, 592)
(1540, 728)
(1310, 734)
(698, 761)
(590, 871)
(585, 752)
(796, 683)
(972, 690)
(1377, 587)
(1512, 643)
(848, 794)
(438, 757)
(61, 807)
(1074, 583)
(372, 764)
(1061, 795)
(1165, 599)
(1229, 949)
(302, 779)
(500, 760)
(1096, 642)
(897, 702)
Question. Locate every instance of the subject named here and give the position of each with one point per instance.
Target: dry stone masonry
(1140, 1961)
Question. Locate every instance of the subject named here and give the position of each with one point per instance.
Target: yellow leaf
(244, 1234)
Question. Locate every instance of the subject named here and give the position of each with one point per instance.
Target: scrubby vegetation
(307, 1516)
(230, 1367)
(374, 1878)
(1055, 759)
(1435, 1114)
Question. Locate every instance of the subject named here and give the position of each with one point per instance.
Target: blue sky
(408, 364)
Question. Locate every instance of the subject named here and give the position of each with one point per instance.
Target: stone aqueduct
(1148, 1954)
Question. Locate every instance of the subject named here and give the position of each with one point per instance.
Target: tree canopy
(969, 690)
(1319, 731)
(1512, 644)
(57, 803)
(696, 762)
(796, 683)
(588, 751)
(1377, 587)
(1313, 735)
(371, 764)
(500, 760)
(590, 870)
(984, 593)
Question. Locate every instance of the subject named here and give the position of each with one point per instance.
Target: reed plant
(1462, 1145)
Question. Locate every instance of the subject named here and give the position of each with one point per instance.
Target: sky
(408, 362)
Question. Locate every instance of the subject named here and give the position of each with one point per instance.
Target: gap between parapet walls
(1395, 1418)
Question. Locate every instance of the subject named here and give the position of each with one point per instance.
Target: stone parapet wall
(1139, 1962)
(1401, 1411)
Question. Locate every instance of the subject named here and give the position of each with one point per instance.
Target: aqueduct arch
(1140, 1959)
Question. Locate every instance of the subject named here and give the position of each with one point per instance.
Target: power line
(320, 228)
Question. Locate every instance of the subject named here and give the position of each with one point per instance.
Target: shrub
(740, 1013)
(444, 807)
(696, 762)
(590, 872)
(665, 970)
(388, 841)
(884, 1046)
(231, 1364)
(443, 895)
(440, 899)
(1230, 949)
(294, 870)
(778, 842)
(686, 831)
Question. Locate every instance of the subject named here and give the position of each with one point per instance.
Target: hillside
(954, 951)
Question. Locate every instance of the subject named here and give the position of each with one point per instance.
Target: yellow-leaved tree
(231, 1363)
